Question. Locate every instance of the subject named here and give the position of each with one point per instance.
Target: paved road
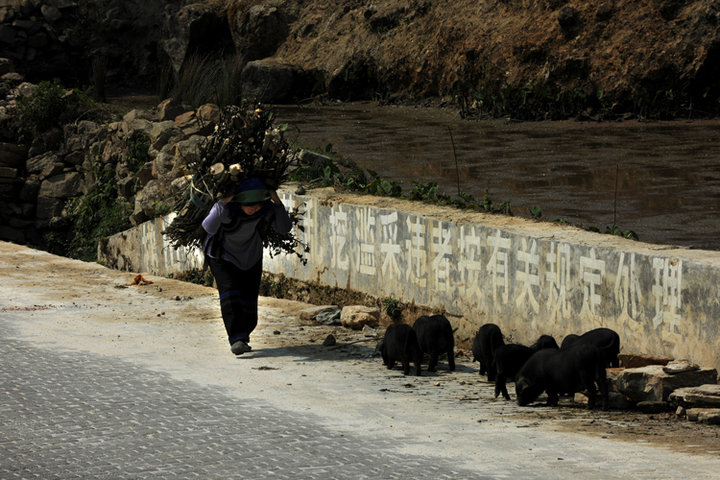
(80, 415)
(99, 380)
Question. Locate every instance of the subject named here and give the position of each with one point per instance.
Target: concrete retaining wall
(528, 277)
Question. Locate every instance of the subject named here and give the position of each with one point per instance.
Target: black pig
(435, 336)
(606, 340)
(488, 338)
(560, 372)
(400, 344)
(510, 358)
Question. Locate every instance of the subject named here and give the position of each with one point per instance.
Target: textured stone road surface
(100, 380)
(79, 415)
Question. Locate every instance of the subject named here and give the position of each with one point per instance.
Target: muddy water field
(658, 179)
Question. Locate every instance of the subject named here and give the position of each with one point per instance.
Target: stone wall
(143, 248)
(529, 277)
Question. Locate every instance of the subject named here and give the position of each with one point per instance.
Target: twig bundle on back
(244, 144)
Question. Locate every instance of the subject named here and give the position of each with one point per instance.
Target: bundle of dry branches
(244, 144)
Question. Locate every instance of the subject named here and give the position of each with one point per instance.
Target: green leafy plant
(377, 186)
(390, 188)
(428, 193)
(200, 276)
(97, 214)
(277, 286)
(488, 205)
(44, 107)
(535, 212)
(391, 306)
(466, 200)
(138, 145)
(50, 105)
(328, 173)
(615, 230)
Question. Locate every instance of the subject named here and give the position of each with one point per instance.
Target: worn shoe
(240, 347)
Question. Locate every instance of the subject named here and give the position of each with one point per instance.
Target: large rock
(9, 188)
(636, 360)
(180, 184)
(680, 366)
(47, 141)
(162, 132)
(51, 13)
(271, 81)
(146, 203)
(162, 165)
(46, 165)
(309, 314)
(704, 415)
(188, 151)
(259, 30)
(199, 122)
(64, 185)
(126, 186)
(703, 396)
(11, 79)
(357, 316)
(137, 120)
(25, 89)
(29, 190)
(323, 314)
(12, 155)
(144, 175)
(111, 151)
(653, 384)
(198, 28)
(208, 115)
(7, 172)
(616, 401)
(169, 108)
(188, 123)
(355, 80)
(48, 208)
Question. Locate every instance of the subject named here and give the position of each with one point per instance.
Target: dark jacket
(235, 236)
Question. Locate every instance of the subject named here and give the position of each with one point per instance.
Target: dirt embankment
(544, 59)
(527, 60)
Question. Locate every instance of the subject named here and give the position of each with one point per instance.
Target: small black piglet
(510, 358)
(486, 341)
(400, 344)
(436, 337)
(605, 339)
(563, 372)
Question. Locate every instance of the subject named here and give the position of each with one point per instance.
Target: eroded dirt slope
(533, 58)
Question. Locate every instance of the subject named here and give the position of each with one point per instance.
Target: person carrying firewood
(233, 249)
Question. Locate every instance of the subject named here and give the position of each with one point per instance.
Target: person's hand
(226, 200)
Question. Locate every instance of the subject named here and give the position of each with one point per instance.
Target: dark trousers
(239, 290)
